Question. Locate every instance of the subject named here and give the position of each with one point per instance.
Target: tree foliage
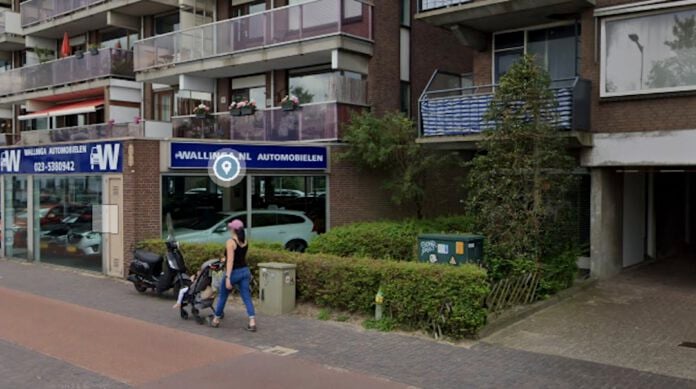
(519, 186)
(388, 144)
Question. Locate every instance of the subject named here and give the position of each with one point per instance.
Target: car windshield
(205, 223)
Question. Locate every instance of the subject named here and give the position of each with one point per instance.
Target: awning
(66, 109)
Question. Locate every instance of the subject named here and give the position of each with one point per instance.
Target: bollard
(379, 300)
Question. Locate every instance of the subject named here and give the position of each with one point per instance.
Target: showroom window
(554, 48)
(648, 53)
(286, 210)
(15, 221)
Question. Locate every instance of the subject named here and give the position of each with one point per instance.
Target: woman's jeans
(240, 278)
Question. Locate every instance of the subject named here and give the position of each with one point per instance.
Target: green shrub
(441, 300)
(385, 239)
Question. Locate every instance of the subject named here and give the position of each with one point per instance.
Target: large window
(63, 220)
(650, 53)
(554, 48)
(14, 217)
(317, 85)
(287, 210)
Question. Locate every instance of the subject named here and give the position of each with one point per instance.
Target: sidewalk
(398, 358)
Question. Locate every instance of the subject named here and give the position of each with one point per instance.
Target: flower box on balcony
(248, 110)
(242, 107)
(236, 112)
(202, 111)
(201, 115)
(290, 103)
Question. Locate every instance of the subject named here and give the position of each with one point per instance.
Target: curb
(514, 315)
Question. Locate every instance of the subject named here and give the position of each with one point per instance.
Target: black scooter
(150, 270)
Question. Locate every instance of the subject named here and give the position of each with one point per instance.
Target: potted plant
(235, 110)
(94, 49)
(201, 111)
(79, 54)
(290, 103)
(44, 55)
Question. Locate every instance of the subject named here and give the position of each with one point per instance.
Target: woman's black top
(239, 256)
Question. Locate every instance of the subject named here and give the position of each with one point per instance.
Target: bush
(386, 239)
(441, 300)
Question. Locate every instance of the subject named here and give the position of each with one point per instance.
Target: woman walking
(236, 273)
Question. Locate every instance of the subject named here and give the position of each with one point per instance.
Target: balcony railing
(461, 111)
(427, 5)
(310, 122)
(107, 63)
(96, 132)
(36, 11)
(277, 26)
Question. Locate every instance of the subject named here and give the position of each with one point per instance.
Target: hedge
(385, 239)
(440, 300)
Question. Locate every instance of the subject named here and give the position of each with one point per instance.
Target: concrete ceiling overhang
(486, 16)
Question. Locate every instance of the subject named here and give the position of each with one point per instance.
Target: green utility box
(276, 288)
(450, 249)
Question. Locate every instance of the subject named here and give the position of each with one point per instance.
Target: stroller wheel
(184, 315)
(200, 320)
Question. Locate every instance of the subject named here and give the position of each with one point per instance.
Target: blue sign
(255, 157)
(103, 157)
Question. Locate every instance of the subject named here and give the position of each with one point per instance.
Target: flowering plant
(201, 109)
(243, 104)
(290, 102)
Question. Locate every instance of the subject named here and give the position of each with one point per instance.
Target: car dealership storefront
(60, 203)
(86, 205)
(282, 198)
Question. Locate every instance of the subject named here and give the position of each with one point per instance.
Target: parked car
(292, 229)
(288, 193)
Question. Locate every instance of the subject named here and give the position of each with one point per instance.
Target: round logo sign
(225, 168)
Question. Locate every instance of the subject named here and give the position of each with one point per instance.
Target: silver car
(292, 229)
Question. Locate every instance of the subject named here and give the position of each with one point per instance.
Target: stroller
(201, 294)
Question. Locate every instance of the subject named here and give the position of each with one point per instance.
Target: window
(163, 106)
(187, 101)
(289, 219)
(311, 87)
(263, 220)
(118, 37)
(406, 98)
(651, 53)
(406, 13)
(167, 23)
(554, 48)
(352, 9)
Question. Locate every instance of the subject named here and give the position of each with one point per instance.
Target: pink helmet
(235, 225)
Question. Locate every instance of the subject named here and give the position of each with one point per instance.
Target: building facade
(623, 73)
(113, 108)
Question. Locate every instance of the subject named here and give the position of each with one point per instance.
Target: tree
(388, 144)
(680, 69)
(519, 185)
(302, 94)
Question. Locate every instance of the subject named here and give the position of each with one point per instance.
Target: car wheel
(296, 245)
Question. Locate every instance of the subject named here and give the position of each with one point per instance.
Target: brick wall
(384, 81)
(141, 198)
(434, 48)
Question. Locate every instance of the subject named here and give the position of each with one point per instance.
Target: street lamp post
(636, 40)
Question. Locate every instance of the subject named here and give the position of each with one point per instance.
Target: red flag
(65, 47)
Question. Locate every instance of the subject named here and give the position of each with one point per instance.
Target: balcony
(70, 70)
(51, 18)
(469, 17)
(149, 129)
(310, 122)
(285, 37)
(459, 112)
(10, 32)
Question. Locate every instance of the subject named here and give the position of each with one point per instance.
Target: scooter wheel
(141, 288)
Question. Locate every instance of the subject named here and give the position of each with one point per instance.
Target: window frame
(603, 55)
(526, 31)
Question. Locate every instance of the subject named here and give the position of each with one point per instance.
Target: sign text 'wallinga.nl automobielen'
(102, 157)
(255, 157)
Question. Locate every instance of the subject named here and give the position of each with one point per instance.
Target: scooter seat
(148, 257)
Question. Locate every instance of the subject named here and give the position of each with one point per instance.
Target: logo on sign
(104, 157)
(226, 169)
(10, 160)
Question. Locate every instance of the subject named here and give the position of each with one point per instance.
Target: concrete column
(605, 223)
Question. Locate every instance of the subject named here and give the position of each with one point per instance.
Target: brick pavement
(635, 320)
(406, 359)
(21, 368)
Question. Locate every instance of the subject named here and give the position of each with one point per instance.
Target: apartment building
(114, 107)
(623, 73)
